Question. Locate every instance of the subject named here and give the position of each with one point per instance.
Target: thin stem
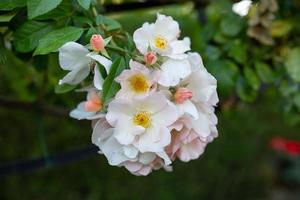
(118, 49)
(94, 10)
(52, 110)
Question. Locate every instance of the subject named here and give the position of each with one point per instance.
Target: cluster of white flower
(164, 109)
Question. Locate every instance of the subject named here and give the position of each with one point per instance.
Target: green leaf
(110, 86)
(102, 70)
(105, 54)
(208, 32)
(264, 72)
(55, 39)
(281, 28)
(292, 64)
(82, 21)
(38, 7)
(296, 101)
(84, 3)
(231, 25)
(110, 24)
(64, 88)
(26, 37)
(238, 51)
(107, 40)
(129, 42)
(226, 73)
(252, 78)
(8, 16)
(61, 14)
(212, 52)
(291, 113)
(288, 88)
(18, 76)
(215, 10)
(11, 4)
(245, 91)
(220, 38)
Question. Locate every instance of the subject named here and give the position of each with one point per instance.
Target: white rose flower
(204, 125)
(140, 169)
(89, 109)
(138, 82)
(125, 155)
(173, 70)
(190, 136)
(80, 61)
(161, 37)
(200, 87)
(143, 122)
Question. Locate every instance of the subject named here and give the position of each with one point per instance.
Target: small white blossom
(143, 122)
(161, 37)
(79, 61)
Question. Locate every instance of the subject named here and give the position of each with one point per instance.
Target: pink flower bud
(150, 58)
(93, 104)
(182, 94)
(97, 42)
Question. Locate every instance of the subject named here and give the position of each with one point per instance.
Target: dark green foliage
(236, 166)
(110, 86)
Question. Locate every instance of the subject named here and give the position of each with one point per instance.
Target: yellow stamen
(139, 83)
(160, 42)
(142, 118)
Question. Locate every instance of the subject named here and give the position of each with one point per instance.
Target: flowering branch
(35, 107)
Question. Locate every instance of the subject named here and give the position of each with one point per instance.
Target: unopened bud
(93, 104)
(182, 94)
(97, 43)
(150, 58)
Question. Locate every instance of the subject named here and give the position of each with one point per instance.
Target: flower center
(142, 118)
(139, 83)
(160, 42)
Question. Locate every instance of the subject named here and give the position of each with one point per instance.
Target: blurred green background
(256, 60)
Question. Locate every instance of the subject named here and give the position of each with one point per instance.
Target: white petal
(178, 56)
(106, 63)
(99, 135)
(138, 66)
(80, 113)
(167, 116)
(144, 171)
(203, 86)
(119, 107)
(166, 27)
(110, 147)
(164, 156)
(132, 166)
(191, 151)
(181, 46)
(201, 126)
(142, 37)
(154, 139)
(154, 103)
(75, 76)
(130, 151)
(195, 61)
(146, 158)
(73, 56)
(173, 71)
(189, 108)
(98, 80)
(113, 151)
(126, 131)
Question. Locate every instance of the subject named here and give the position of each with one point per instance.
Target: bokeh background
(44, 154)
